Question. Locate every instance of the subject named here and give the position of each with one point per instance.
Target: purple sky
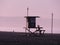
(13, 11)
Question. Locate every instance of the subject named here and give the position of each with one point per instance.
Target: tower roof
(31, 16)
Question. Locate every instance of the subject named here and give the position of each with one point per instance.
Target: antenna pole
(27, 20)
(52, 24)
(27, 11)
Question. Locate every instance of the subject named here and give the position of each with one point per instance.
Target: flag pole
(52, 24)
(27, 20)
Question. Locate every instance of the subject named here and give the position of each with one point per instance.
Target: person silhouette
(39, 29)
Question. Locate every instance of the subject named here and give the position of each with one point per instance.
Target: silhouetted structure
(31, 23)
(38, 28)
(52, 23)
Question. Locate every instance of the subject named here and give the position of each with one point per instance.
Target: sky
(12, 14)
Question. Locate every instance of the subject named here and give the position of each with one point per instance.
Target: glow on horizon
(42, 8)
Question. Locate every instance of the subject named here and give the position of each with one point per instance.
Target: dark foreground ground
(13, 38)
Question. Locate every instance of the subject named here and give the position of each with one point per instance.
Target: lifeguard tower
(31, 23)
